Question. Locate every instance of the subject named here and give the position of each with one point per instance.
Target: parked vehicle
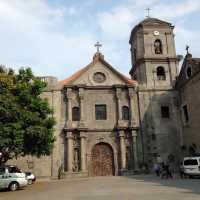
(191, 166)
(30, 177)
(12, 177)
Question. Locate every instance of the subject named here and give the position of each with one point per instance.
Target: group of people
(163, 170)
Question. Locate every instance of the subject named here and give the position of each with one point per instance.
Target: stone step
(75, 174)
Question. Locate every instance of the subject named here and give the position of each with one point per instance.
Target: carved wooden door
(102, 160)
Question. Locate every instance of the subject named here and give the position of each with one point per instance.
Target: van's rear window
(191, 162)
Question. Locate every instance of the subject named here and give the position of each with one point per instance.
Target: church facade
(108, 124)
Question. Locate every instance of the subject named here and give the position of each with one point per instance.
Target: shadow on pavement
(190, 185)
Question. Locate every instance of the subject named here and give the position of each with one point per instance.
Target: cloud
(32, 34)
(176, 9)
(116, 24)
(186, 36)
(58, 39)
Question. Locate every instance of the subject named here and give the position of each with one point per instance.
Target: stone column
(69, 107)
(131, 98)
(70, 151)
(83, 151)
(122, 150)
(135, 152)
(118, 98)
(81, 98)
(133, 103)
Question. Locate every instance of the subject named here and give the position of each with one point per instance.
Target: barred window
(165, 112)
(100, 112)
(125, 113)
(161, 73)
(75, 114)
(185, 111)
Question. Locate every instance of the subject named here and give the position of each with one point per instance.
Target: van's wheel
(30, 181)
(190, 176)
(13, 186)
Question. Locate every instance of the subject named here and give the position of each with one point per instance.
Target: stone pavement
(139, 187)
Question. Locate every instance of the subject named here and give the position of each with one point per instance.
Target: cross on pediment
(148, 12)
(98, 45)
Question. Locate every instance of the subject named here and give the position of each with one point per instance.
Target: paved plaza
(109, 188)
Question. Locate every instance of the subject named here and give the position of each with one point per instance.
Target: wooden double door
(102, 160)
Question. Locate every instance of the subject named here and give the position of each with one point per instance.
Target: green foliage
(26, 122)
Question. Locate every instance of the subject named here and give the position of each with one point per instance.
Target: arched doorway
(102, 160)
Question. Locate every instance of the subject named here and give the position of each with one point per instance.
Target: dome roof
(148, 22)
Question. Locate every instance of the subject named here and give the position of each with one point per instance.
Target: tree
(26, 120)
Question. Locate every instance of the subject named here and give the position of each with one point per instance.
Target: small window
(125, 113)
(189, 72)
(165, 111)
(75, 114)
(153, 137)
(185, 112)
(161, 73)
(158, 46)
(100, 112)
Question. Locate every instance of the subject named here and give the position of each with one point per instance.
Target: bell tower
(154, 60)
(154, 66)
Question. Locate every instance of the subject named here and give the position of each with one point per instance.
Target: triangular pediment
(98, 73)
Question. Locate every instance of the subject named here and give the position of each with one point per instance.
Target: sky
(57, 37)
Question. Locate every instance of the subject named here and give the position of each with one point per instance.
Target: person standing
(157, 169)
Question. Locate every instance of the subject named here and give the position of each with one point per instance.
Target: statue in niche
(128, 144)
(158, 47)
(76, 163)
(76, 160)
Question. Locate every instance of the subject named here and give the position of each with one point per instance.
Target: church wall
(93, 97)
(160, 134)
(190, 96)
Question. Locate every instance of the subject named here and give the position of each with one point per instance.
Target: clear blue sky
(57, 37)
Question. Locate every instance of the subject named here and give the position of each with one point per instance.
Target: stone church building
(108, 124)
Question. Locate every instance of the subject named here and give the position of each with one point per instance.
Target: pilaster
(70, 152)
(83, 151)
(122, 150)
(81, 99)
(135, 151)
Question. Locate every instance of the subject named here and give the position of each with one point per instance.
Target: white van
(191, 166)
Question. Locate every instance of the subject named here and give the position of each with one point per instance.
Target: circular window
(99, 77)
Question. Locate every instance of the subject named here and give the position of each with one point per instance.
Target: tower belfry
(154, 66)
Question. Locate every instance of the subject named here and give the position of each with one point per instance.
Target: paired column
(122, 149)
(83, 151)
(135, 152)
(118, 97)
(132, 95)
(69, 107)
(81, 98)
(70, 152)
